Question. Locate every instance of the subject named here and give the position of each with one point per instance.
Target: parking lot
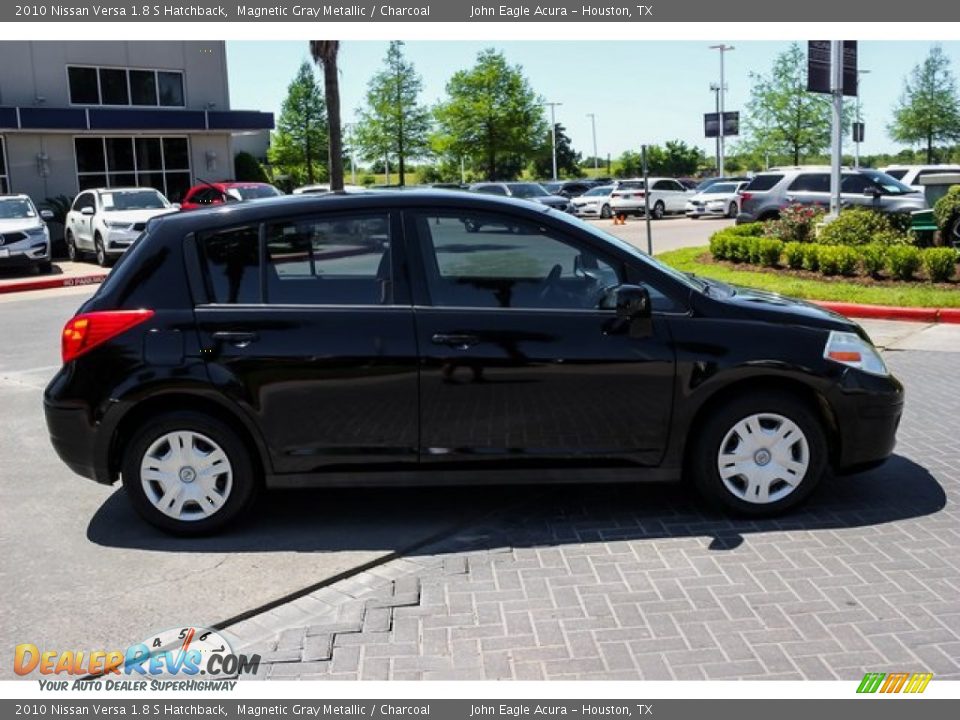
(579, 582)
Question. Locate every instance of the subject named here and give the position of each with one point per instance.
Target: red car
(217, 193)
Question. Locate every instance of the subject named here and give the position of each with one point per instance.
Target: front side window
(231, 263)
(344, 260)
(83, 200)
(481, 260)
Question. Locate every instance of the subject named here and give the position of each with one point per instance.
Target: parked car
(594, 203)
(707, 182)
(24, 237)
(569, 188)
(667, 197)
(524, 191)
(106, 221)
(769, 192)
(910, 175)
(322, 188)
(719, 200)
(218, 193)
(371, 340)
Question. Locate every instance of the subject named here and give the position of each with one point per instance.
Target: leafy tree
(782, 117)
(324, 53)
(299, 144)
(568, 160)
(929, 108)
(492, 117)
(630, 164)
(393, 123)
(676, 158)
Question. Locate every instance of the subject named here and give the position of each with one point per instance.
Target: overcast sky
(640, 91)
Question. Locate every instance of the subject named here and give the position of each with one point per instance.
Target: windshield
(721, 188)
(687, 280)
(889, 185)
(252, 192)
(133, 200)
(597, 191)
(16, 209)
(526, 190)
(551, 187)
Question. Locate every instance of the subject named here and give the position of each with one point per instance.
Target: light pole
(856, 135)
(553, 134)
(715, 89)
(593, 125)
(723, 90)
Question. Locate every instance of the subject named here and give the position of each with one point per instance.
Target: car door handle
(459, 341)
(240, 338)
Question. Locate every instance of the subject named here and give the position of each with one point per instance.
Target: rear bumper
(868, 411)
(73, 434)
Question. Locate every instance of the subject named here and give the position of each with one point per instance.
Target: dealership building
(78, 115)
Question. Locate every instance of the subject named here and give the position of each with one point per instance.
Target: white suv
(667, 197)
(106, 221)
(910, 175)
(24, 237)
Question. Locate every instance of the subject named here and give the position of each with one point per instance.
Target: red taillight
(84, 332)
(746, 195)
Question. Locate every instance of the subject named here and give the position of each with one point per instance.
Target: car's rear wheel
(188, 473)
(73, 253)
(605, 212)
(100, 251)
(760, 455)
(659, 210)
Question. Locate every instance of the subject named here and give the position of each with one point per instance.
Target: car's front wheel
(73, 253)
(760, 455)
(605, 212)
(659, 210)
(100, 251)
(188, 473)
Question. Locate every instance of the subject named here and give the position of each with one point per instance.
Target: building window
(125, 87)
(4, 176)
(162, 163)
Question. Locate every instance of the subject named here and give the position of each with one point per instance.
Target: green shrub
(793, 253)
(795, 224)
(738, 249)
(837, 259)
(753, 249)
(893, 237)
(947, 208)
(854, 226)
(745, 230)
(811, 257)
(903, 261)
(769, 251)
(873, 258)
(940, 264)
(900, 222)
(719, 245)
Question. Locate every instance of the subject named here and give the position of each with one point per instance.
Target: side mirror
(47, 214)
(632, 302)
(87, 210)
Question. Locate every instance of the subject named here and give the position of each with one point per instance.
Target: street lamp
(715, 89)
(856, 135)
(553, 134)
(593, 124)
(723, 50)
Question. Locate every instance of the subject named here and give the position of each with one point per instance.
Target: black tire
(100, 252)
(703, 462)
(953, 232)
(605, 212)
(659, 210)
(45, 268)
(73, 252)
(245, 477)
(732, 211)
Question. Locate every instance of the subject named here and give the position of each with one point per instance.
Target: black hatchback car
(372, 339)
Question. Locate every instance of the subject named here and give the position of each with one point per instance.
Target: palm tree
(324, 53)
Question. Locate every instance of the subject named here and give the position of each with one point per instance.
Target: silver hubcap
(186, 475)
(763, 458)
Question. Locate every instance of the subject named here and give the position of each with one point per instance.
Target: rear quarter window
(762, 183)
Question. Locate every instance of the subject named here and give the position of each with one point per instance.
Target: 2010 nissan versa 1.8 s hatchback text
(373, 339)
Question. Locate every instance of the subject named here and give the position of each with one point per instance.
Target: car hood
(19, 224)
(135, 216)
(773, 307)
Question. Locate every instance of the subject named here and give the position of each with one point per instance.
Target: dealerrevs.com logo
(189, 658)
(898, 682)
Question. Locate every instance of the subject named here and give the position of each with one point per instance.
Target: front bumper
(867, 410)
(25, 253)
(698, 210)
(116, 242)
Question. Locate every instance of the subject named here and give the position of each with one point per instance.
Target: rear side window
(231, 263)
(811, 182)
(762, 183)
(331, 261)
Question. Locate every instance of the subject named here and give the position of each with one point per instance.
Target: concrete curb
(57, 281)
(889, 312)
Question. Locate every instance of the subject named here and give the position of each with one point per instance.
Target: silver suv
(771, 191)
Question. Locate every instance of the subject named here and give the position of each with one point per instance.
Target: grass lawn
(854, 290)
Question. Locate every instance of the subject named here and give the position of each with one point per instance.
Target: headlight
(113, 225)
(38, 231)
(850, 349)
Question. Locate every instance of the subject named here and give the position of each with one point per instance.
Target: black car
(371, 339)
(534, 192)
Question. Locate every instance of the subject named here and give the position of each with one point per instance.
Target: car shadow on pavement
(409, 520)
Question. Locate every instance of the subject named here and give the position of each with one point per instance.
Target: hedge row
(899, 261)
